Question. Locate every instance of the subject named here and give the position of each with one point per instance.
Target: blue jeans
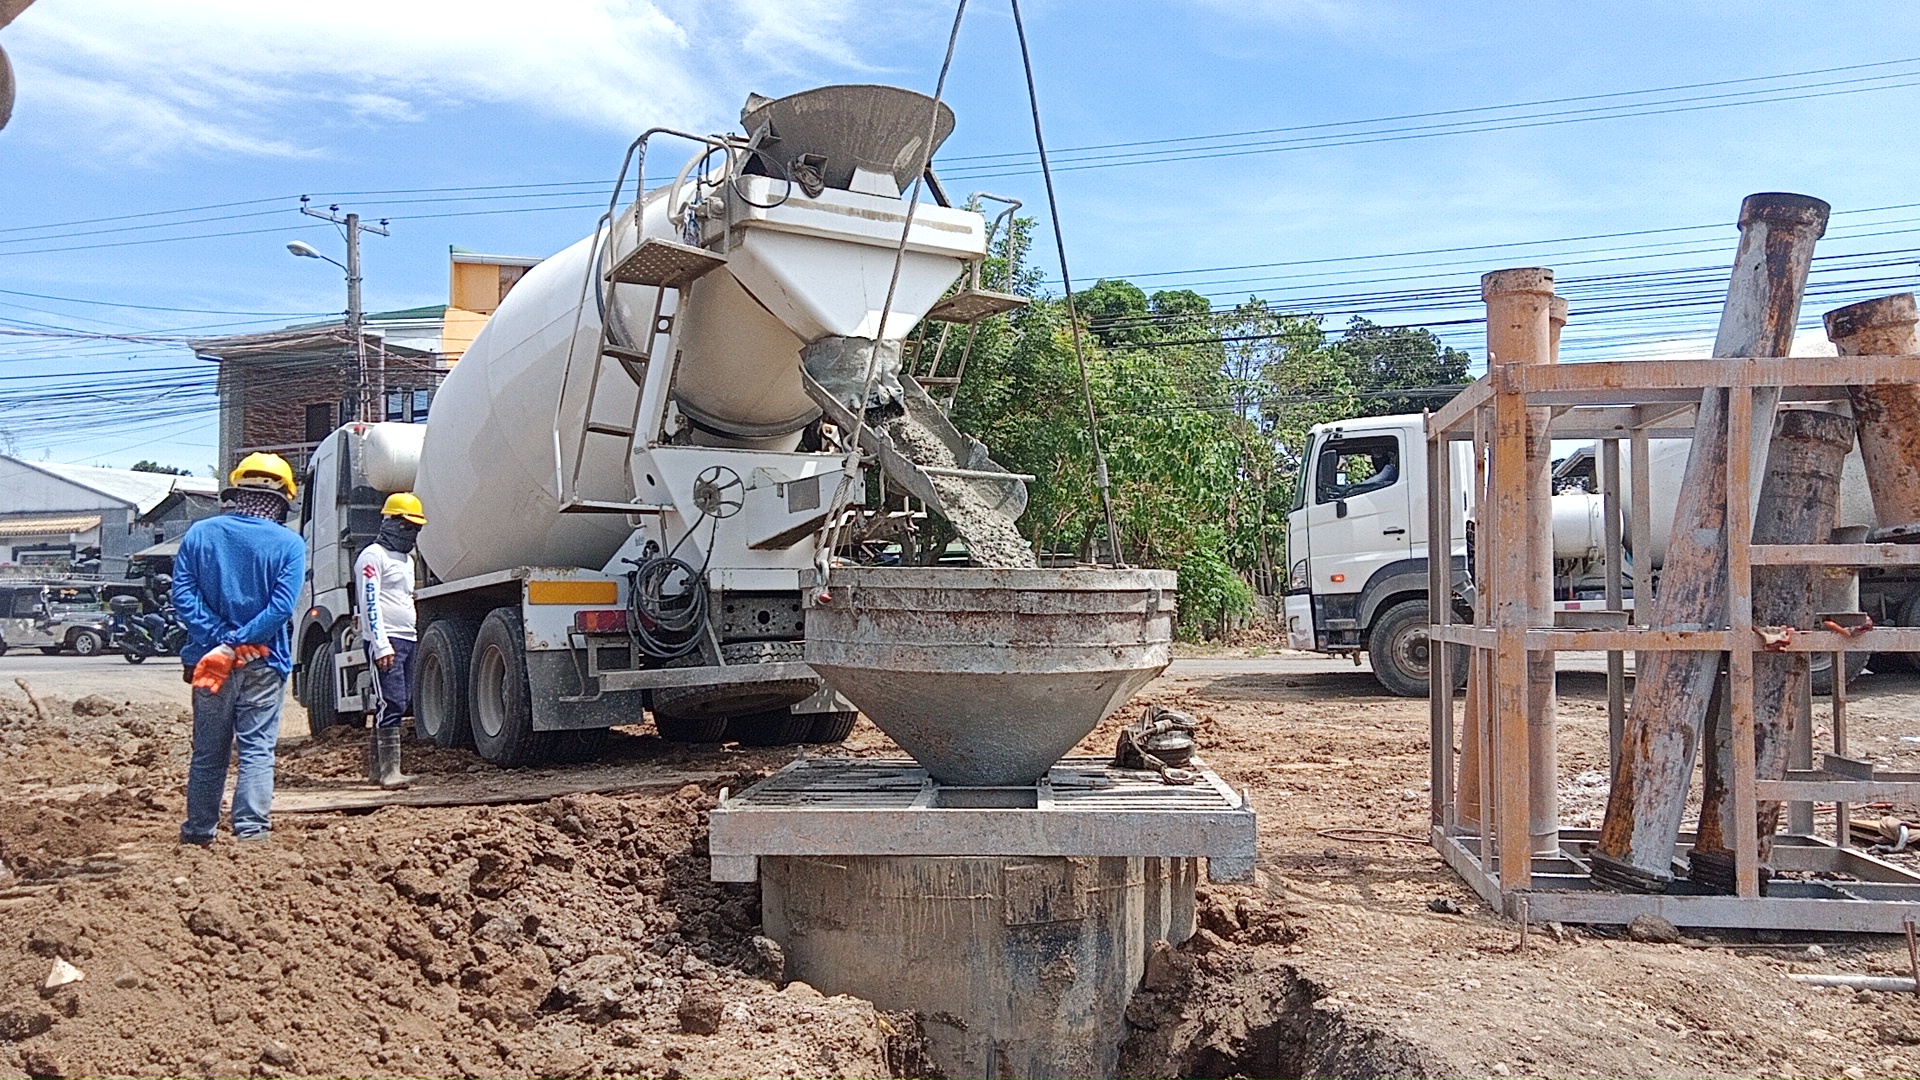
(395, 684)
(245, 713)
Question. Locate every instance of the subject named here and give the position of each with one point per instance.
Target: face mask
(256, 502)
(398, 535)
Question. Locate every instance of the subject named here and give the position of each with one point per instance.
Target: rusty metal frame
(1633, 402)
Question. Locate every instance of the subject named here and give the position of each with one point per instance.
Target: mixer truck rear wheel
(502, 705)
(831, 727)
(709, 729)
(739, 699)
(1399, 650)
(1822, 665)
(774, 727)
(442, 674)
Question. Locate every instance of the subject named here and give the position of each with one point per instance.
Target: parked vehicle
(1357, 543)
(154, 633)
(34, 614)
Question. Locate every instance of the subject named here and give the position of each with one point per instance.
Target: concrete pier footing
(1017, 966)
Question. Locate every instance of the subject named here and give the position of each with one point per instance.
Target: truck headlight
(1297, 577)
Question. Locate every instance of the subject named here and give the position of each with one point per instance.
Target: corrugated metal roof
(49, 526)
(143, 490)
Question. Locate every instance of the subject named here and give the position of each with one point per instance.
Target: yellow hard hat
(406, 506)
(266, 471)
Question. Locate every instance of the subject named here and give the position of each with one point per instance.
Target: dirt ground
(579, 936)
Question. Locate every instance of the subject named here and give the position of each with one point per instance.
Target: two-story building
(285, 390)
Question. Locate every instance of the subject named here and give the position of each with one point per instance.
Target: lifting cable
(1066, 285)
(832, 535)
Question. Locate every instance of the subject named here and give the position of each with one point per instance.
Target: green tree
(155, 467)
(1381, 359)
(1202, 415)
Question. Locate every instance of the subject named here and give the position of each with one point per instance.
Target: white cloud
(241, 76)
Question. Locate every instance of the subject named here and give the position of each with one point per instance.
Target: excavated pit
(1231, 1016)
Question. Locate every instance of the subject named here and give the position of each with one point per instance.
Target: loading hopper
(987, 677)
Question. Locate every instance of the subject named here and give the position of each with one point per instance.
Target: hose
(662, 625)
(666, 625)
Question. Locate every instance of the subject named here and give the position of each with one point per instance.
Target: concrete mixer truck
(1357, 544)
(635, 476)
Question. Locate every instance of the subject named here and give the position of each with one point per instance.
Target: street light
(308, 251)
(356, 318)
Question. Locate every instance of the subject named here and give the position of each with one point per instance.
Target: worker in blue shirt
(235, 583)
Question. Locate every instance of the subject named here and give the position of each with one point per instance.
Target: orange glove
(247, 654)
(212, 671)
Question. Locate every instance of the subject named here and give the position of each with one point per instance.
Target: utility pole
(365, 394)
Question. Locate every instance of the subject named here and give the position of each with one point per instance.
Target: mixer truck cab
(349, 476)
(1357, 547)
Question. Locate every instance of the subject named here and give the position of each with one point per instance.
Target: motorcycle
(156, 633)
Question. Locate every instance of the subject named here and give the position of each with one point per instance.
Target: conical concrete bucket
(987, 677)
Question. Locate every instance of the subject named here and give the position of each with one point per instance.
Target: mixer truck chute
(1357, 546)
(635, 475)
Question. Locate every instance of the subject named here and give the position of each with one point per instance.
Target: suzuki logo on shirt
(367, 571)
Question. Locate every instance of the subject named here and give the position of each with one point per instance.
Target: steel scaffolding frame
(1615, 402)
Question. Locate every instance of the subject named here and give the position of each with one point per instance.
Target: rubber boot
(386, 759)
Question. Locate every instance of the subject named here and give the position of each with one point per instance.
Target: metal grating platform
(972, 305)
(666, 264)
(889, 806)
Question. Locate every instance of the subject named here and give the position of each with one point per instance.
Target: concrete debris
(62, 974)
(1654, 930)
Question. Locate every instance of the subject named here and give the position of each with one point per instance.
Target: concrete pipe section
(986, 677)
(1019, 966)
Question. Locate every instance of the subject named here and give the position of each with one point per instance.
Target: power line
(1453, 112)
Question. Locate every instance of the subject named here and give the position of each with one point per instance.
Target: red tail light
(601, 621)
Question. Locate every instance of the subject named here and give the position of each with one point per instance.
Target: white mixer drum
(486, 478)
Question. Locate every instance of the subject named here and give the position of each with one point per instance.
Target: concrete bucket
(988, 676)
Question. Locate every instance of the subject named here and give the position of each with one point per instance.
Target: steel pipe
(1641, 828)
(1523, 321)
(1887, 417)
(1799, 500)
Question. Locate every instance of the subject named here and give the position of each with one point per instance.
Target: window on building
(509, 277)
(319, 421)
(422, 400)
(396, 404)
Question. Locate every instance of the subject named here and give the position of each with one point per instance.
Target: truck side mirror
(1339, 508)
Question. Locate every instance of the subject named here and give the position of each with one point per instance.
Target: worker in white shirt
(384, 581)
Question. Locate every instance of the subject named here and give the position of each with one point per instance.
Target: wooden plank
(1616, 596)
(1839, 790)
(1631, 381)
(1450, 416)
(1836, 554)
(1511, 563)
(489, 790)
(1439, 615)
(1740, 688)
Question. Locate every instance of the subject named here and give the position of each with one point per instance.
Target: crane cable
(1066, 285)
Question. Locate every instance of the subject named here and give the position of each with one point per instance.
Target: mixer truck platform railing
(656, 262)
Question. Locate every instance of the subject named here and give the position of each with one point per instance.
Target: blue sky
(130, 108)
